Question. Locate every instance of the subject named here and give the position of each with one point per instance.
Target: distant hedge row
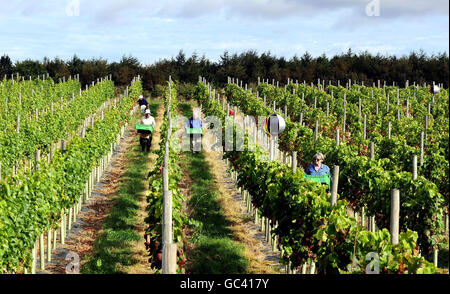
(248, 66)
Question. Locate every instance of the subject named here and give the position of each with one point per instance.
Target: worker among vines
(146, 137)
(143, 104)
(195, 123)
(317, 167)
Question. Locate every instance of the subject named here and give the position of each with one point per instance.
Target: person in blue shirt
(195, 123)
(317, 167)
(143, 104)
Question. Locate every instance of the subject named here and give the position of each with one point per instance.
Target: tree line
(247, 66)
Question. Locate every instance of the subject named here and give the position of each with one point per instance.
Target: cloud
(114, 11)
(33, 8)
(125, 11)
(157, 29)
(374, 49)
(433, 37)
(277, 9)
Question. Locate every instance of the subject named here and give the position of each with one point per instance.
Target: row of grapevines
(399, 149)
(32, 202)
(406, 131)
(24, 97)
(364, 181)
(395, 148)
(40, 133)
(370, 98)
(155, 194)
(309, 228)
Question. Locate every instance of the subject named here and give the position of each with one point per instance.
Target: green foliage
(249, 66)
(112, 250)
(365, 182)
(32, 202)
(30, 68)
(185, 91)
(65, 119)
(403, 258)
(155, 194)
(308, 227)
(158, 91)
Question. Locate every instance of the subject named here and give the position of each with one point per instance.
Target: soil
(138, 248)
(88, 226)
(258, 251)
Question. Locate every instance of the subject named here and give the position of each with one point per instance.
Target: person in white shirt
(146, 138)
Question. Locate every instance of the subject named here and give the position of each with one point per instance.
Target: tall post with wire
(169, 248)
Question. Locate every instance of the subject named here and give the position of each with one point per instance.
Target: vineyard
(242, 204)
(309, 228)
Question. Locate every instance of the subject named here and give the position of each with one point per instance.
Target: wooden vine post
(316, 131)
(294, 170)
(334, 185)
(364, 126)
(421, 147)
(389, 129)
(33, 264)
(63, 213)
(395, 216)
(169, 248)
(42, 251)
(37, 158)
(343, 122)
(49, 245)
(294, 161)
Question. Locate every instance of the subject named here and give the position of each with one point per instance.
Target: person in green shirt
(195, 123)
(146, 137)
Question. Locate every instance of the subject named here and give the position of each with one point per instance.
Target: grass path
(227, 242)
(119, 248)
(259, 253)
(212, 249)
(138, 247)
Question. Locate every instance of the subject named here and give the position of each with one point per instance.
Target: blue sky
(153, 30)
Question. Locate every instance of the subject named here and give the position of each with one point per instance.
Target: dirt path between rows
(81, 238)
(138, 250)
(259, 252)
(256, 250)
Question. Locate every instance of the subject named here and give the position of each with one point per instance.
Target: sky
(154, 30)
